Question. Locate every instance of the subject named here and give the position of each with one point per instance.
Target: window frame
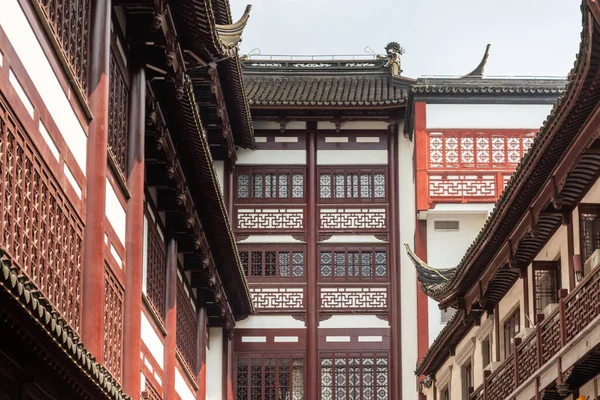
(264, 248)
(359, 171)
(253, 171)
(373, 249)
(467, 377)
(361, 355)
(551, 266)
(513, 317)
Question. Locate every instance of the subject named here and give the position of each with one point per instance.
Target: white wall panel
(115, 212)
(353, 125)
(220, 171)
(270, 321)
(214, 364)
(271, 157)
(491, 116)
(29, 51)
(352, 157)
(354, 321)
(181, 387)
(152, 341)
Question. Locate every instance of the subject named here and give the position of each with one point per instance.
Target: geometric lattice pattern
(453, 185)
(353, 218)
(269, 377)
(118, 114)
(156, 270)
(272, 218)
(350, 263)
(70, 24)
(114, 295)
(278, 298)
(478, 150)
(187, 328)
(352, 298)
(354, 376)
(39, 228)
(272, 262)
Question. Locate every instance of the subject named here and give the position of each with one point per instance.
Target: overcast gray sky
(441, 37)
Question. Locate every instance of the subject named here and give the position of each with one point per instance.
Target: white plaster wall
(512, 300)
(408, 277)
(152, 341)
(275, 125)
(354, 321)
(270, 239)
(115, 213)
(590, 389)
(366, 239)
(182, 388)
(270, 322)
(214, 364)
(446, 249)
(352, 157)
(354, 125)
(593, 195)
(271, 157)
(220, 171)
(555, 248)
(29, 51)
(490, 116)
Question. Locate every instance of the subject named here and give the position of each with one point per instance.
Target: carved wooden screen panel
(39, 229)
(582, 308)
(187, 328)
(589, 227)
(354, 185)
(270, 185)
(113, 323)
(352, 263)
(269, 376)
(277, 298)
(156, 269)
(69, 21)
(274, 263)
(354, 376)
(118, 114)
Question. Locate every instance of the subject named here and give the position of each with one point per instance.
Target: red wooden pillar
(228, 393)
(170, 361)
(201, 351)
(134, 239)
(422, 300)
(312, 296)
(421, 157)
(96, 168)
(395, 310)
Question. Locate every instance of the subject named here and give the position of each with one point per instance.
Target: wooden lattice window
(510, 328)
(264, 376)
(349, 263)
(118, 113)
(270, 184)
(546, 281)
(39, 228)
(285, 262)
(589, 226)
(69, 22)
(352, 184)
(187, 326)
(114, 295)
(354, 376)
(156, 267)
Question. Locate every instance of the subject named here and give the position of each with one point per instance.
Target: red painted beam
(170, 360)
(92, 331)
(421, 157)
(312, 305)
(134, 238)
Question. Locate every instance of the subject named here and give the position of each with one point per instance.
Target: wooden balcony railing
(462, 186)
(575, 312)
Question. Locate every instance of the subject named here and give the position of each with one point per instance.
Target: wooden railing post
(538, 338)
(486, 375)
(516, 361)
(562, 293)
(499, 184)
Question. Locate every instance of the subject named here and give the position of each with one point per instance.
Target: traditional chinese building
(526, 290)
(120, 276)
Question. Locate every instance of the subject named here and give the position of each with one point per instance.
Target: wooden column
(228, 188)
(395, 377)
(96, 168)
(170, 361)
(134, 239)
(313, 366)
(570, 249)
(201, 352)
(422, 300)
(228, 393)
(524, 275)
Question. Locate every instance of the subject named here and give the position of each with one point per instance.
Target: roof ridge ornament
(231, 34)
(478, 71)
(430, 278)
(393, 52)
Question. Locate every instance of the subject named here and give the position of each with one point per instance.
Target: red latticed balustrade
(156, 270)
(502, 381)
(113, 323)
(583, 305)
(527, 358)
(550, 336)
(40, 229)
(187, 328)
(69, 22)
(117, 114)
(150, 393)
